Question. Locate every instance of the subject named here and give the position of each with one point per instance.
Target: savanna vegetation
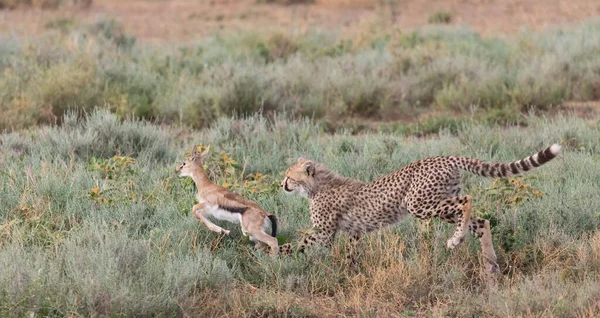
(95, 222)
(380, 75)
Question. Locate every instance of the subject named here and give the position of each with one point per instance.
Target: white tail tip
(555, 149)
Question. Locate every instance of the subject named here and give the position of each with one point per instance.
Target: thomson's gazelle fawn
(222, 204)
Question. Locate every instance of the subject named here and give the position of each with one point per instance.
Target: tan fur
(426, 188)
(212, 197)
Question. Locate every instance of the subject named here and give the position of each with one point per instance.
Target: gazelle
(222, 204)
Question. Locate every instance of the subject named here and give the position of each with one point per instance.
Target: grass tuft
(94, 221)
(440, 17)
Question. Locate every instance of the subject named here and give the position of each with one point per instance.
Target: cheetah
(425, 188)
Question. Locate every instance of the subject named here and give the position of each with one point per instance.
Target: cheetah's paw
(454, 242)
(285, 249)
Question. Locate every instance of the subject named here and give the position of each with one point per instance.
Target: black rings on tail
(502, 170)
(273, 220)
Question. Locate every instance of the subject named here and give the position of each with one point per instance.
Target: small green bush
(245, 96)
(440, 17)
(62, 24)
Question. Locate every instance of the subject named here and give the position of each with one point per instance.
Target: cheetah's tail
(502, 170)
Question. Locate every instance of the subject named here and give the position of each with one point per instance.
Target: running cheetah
(426, 188)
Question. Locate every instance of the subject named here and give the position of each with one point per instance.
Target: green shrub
(62, 24)
(112, 31)
(245, 96)
(440, 17)
(317, 74)
(72, 85)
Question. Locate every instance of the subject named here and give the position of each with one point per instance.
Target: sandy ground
(176, 21)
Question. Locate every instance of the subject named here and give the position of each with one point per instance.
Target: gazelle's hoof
(491, 268)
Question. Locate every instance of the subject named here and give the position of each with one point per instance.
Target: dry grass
(65, 252)
(184, 20)
(44, 4)
(392, 284)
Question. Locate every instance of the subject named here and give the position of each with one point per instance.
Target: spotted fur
(425, 189)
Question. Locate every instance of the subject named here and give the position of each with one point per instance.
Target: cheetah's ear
(309, 167)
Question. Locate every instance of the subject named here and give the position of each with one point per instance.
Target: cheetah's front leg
(325, 239)
(353, 253)
(318, 237)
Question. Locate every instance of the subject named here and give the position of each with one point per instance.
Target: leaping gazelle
(223, 204)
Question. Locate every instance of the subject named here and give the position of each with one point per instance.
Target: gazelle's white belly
(220, 214)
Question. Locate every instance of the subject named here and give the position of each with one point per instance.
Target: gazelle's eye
(183, 164)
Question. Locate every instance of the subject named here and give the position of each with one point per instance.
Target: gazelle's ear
(195, 152)
(309, 167)
(204, 153)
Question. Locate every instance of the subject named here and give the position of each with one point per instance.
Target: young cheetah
(426, 188)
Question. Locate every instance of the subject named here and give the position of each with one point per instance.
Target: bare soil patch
(173, 21)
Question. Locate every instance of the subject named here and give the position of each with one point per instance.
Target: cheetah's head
(299, 177)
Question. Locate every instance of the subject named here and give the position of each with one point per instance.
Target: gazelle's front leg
(199, 211)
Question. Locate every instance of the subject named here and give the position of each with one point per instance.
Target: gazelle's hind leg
(263, 238)
(254, 224)
(260, 246)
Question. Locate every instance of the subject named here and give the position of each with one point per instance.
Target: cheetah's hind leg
(481, 229)
(456, 210)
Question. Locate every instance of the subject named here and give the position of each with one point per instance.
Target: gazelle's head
(192, 164)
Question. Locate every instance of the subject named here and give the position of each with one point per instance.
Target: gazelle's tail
(273, 220)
